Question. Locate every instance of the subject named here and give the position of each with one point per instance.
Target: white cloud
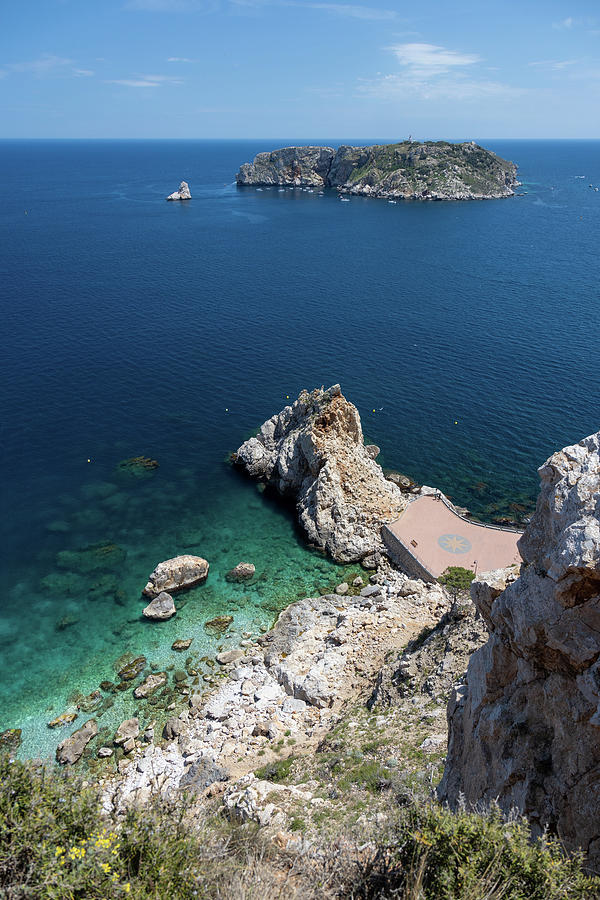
(430, 59)
(145, 81)
(172, 5)
(82, 73)
(41, 66)
(350, 10)
(180, 59)
(556, 64)
(432, 72)
(564, 23)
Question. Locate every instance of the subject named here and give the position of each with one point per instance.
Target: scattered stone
(358, 582)
(182, 194)
(242, 572)
(128, 745)
(181, 645)
(176, 574)
(229, 656)
(201, 774)
(150, 685)
(10, 739)
(173, 728)
(105, 752)
(373, 450)
(66, 718)
(219, 624)
(66, 622)
(161, 608)
(130, 728)
(71, 749)
(342, 589)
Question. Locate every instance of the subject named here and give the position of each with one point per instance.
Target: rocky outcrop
(244, 571)
(71, 749)
(434, 170)
(176, 574)
(182, 194)
(294, 682)
(314, 451)
(525, 727)
(150, 685)
(161, 608)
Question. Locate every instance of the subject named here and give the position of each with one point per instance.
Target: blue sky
(299, 68)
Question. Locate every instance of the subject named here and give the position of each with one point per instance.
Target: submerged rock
(162, 607)
(89, 702)
(66, 718)
(524, 729)
(219, 624)
(137, 465)
(182, 194)
(71, 749)
(242, 572)
(150, 685)
(131, 668)
(314, 451)
(176, 574)
(180, 645)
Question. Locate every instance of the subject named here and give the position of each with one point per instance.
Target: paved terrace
(429, 537)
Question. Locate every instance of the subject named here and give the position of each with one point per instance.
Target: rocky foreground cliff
(525, 727)
(434, 170)
(314, 451)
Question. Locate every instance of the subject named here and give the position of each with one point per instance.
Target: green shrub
(456, 579)
(435, 854)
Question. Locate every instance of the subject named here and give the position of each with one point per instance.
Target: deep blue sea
(466, 334)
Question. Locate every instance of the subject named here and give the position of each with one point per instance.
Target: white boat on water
(345, 199)
(392, 201)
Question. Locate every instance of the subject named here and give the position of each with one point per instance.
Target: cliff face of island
(314, 451)
(404, 171)
(525, 728)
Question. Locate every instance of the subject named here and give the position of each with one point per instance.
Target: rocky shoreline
(404, 171)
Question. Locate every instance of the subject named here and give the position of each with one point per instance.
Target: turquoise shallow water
(134, 326)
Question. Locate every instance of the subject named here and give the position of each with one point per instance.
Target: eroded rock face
(295, 166)
(526, 726)
(176, 574)
(182, 194)
(314, 451)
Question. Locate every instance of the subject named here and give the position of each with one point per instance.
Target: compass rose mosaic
(454, 543)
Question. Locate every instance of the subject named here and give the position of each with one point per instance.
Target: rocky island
(409, 170)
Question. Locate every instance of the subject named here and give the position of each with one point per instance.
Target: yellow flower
(127, 887)
(59, 851)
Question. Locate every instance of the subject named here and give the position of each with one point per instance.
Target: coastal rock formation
(434, 170)
(182, 194)
(314, 451)
(294, 681)
(150, 685)
(161, 608)
(71, 749)
(525, 728)
(176, 574)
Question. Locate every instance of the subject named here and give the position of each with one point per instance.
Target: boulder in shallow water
(66, 718)
(180, 645)
(130, 728)
(150, 685)
(131, 668)
(162, 607)
(219, 624)
(242, 572)
(182, 194)
(176, 574)
(71, 749)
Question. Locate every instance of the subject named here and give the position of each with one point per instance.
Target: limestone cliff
(525, 728)
(314, 451)
(408, 170)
